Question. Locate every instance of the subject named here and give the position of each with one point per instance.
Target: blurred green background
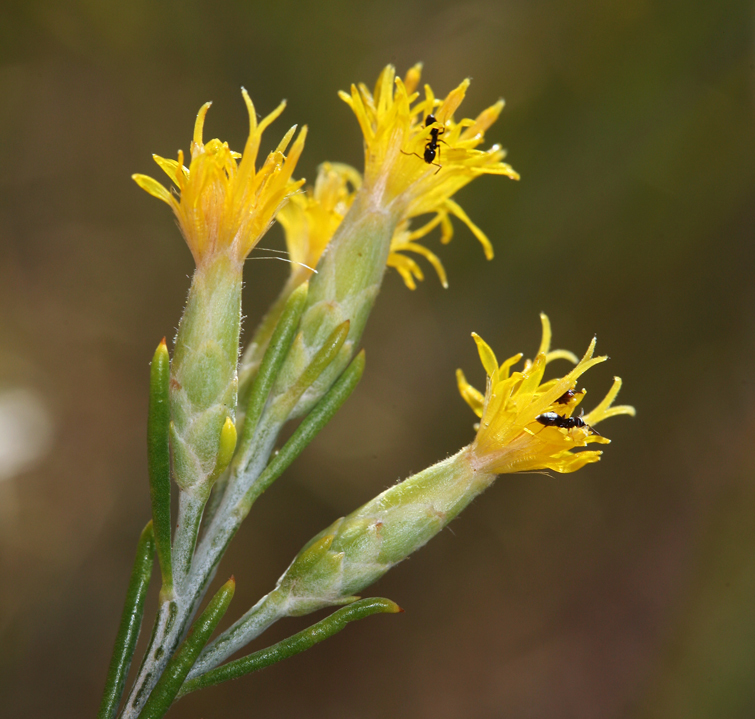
(625, 590)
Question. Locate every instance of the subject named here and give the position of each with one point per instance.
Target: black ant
(433, 144)
(552, 419)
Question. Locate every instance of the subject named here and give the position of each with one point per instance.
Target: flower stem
(170, 682)
(307, 430)
(190, 508)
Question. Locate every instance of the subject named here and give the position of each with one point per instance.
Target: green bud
(357, 550)
(226, 449)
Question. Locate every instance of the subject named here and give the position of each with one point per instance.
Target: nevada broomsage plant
(214, 422)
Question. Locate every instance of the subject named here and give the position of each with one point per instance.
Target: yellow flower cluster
(527, 424)
(224, 205)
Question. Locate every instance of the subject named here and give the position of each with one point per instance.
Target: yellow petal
(199, 126)
(456, 210)
(545, 342)
(472, 397)
(171, 168)
(487, 356)
(153, 187)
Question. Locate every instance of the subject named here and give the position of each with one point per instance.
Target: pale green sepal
(357, 550)
(347, 282)
(186, 465)
(204, 381)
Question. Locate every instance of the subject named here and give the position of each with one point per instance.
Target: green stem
(190, 509)
(158, 455)
(131, 620)
(276, 353)
(307, 430)
(254, 622)
(296, 644)
(165, 690)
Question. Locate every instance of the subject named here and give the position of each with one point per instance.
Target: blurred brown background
(625, 590)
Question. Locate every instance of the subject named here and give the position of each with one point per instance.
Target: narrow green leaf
(170, 682)
(320, 415)
(271, 363)
(293, 645)
(131, 620)
(320, 362)
(158, 449)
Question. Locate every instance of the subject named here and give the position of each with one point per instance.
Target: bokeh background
(625, 590)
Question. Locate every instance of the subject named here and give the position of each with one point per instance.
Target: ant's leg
(435, 163)
(411, 153)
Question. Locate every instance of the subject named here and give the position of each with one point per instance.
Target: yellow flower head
(222, 205)
(528, 424)
(414, 163)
